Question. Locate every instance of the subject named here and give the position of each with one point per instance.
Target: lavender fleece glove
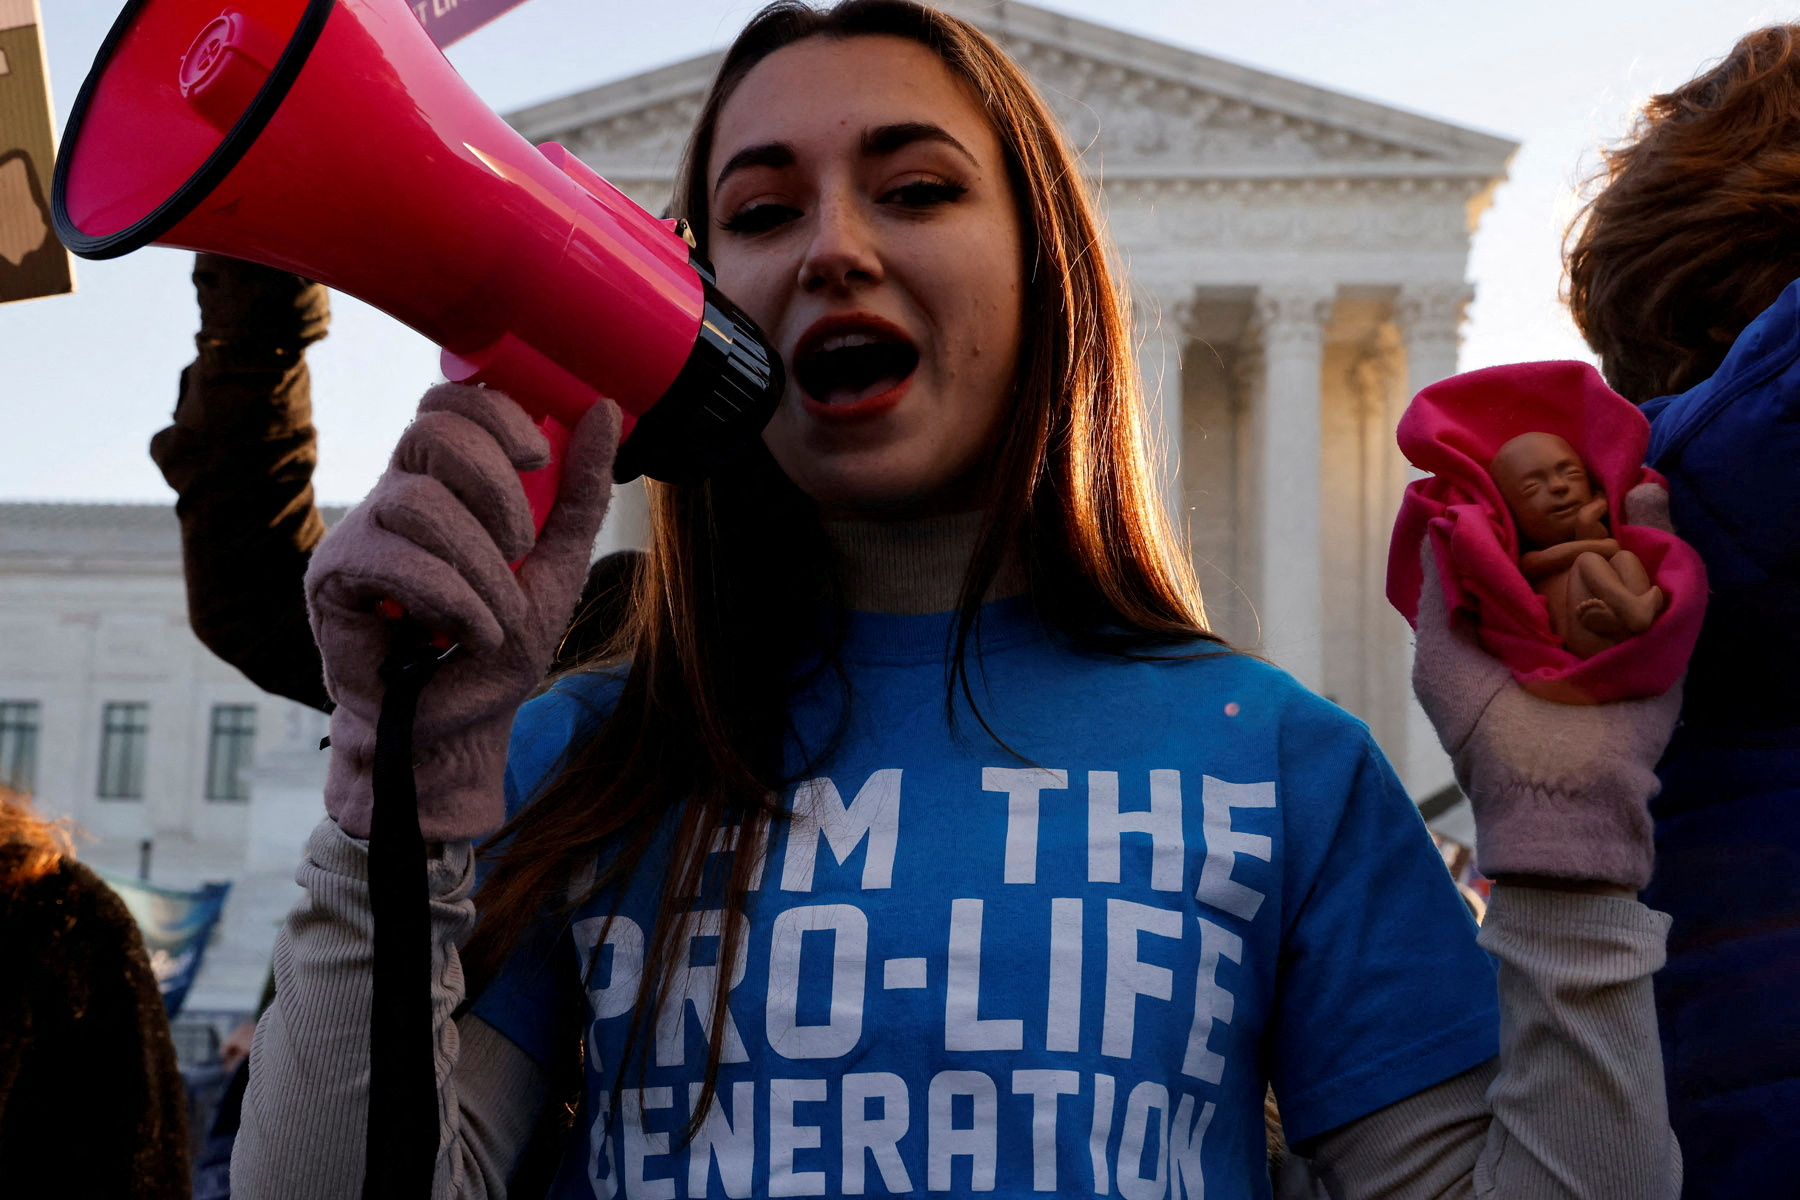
(436, 535)
(1559, 790)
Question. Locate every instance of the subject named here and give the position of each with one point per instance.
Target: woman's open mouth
(853, 366)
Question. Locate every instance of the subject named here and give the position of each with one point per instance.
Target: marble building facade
(108, 710)
(1297, 260)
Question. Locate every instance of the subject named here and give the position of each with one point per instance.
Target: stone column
(1383, 644)
(1285, 419)
(1163, 316)
(627, 525)
(1430, 321)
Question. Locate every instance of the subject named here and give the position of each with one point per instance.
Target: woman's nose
(842, 253)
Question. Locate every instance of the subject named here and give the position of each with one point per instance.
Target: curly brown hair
(1694, 227)
(30, 846)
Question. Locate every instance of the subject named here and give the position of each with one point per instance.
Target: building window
(124, 740)
(228, 751)
(18, 744)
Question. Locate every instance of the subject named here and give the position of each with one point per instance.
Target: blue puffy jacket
(1728, 818)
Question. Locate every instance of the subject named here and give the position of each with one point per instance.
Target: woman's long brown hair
(1695, 226)
(730, 597)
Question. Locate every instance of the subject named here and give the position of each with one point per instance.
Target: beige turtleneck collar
(913, 566)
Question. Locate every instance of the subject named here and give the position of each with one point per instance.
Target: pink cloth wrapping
(1452, 429)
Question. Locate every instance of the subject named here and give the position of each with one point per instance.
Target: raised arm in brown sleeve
(240, 456)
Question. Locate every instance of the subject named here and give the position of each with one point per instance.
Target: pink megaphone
(331, 138)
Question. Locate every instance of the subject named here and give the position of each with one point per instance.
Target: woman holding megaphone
(917, 835)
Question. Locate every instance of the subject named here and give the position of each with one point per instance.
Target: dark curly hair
(1694, 227)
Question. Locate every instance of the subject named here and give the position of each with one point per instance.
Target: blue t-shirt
(1070, 969)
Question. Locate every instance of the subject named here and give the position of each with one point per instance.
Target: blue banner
(175, 925)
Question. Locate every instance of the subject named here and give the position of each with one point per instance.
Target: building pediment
(1135, 108)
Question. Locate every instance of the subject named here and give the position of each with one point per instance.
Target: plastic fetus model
(1598, 594)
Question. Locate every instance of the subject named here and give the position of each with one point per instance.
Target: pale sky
(90, 377)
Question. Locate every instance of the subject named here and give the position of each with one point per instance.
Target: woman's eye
(924, 193)
(758, 218)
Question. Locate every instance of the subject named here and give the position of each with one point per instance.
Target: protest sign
(448, 20)
(32, 262)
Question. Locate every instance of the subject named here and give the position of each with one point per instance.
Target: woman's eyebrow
(875, 143)
(885, 139)
(768, 154)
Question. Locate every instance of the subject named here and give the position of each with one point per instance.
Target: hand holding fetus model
(1599, 594)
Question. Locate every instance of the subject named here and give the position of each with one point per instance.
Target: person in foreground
(1684, 276)
(916, 836)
